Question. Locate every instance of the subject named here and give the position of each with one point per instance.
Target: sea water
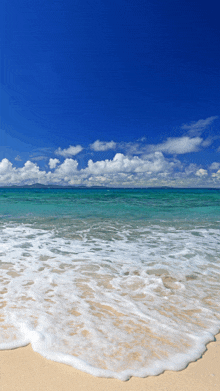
(115, 282)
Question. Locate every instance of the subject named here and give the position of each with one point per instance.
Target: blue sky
(114, 93)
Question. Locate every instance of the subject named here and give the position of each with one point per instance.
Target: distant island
(42, 186)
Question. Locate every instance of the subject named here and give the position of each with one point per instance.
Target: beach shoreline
(22, 369)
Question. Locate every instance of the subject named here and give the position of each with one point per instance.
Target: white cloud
(207, 142)
(102, 145)
(71, 151)
(53, 163)
(68, 167)
(214, 166)
(216, 175)
(29, 173)
(201, 172)
(177, 145)
(196, 128)
(65, 171)
(5, 167)
(18, 158)
(120, 163)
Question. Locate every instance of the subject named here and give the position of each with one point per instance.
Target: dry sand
(24, 370)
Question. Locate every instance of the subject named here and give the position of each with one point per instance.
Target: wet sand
(24, 370)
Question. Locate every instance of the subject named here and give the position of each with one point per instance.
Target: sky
(113, 93)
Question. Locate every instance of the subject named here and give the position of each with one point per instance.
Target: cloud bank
(122, 171)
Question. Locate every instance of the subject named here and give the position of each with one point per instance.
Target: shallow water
(117, 283)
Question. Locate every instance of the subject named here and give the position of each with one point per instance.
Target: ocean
(115, 282)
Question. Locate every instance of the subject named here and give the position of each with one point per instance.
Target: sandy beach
(124, 294)
(24, 370)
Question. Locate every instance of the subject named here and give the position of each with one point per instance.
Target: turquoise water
(115, 282)
(114, 203)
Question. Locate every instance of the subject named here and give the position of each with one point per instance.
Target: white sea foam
(114, 301)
